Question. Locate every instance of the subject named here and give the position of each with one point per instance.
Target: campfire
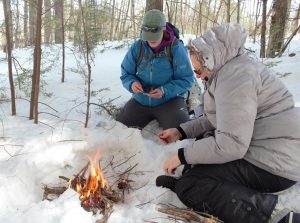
(97, 196)
(94, 192)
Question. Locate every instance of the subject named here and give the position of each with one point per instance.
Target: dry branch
(96, 200)
(50, 193)
(189, 215)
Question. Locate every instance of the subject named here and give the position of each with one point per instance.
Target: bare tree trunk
(256, 18)
(133, 18)
(181, 17)
(111, 34)
(77, 32)
(218, 13)
(288, 23)
(17, 34)
(71, 20)
(25, 23)
(215, 7)
(37, 52)
(63, 44)
(263, 30)
(58, 17)
(154, 4)
(296, 19)
(33, 88)
(278, 22)
(175, 16)
(187, 18)
(243, 10)
(208, 12)
(228, 11)
(238, 11)
(9, 55)
(194, 22)
(87, 57)
(260, 24)
(10, 14)
(32, 21)
(200, 16)
(119, 20)
(123, 26)
(169, 12)
(288, 41)
(198, 19)
(47, 21)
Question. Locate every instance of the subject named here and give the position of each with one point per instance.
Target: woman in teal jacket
(157, 82)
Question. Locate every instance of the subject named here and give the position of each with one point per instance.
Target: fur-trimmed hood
(220, 44)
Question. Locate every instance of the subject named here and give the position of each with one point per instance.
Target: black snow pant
(169, 115)
(235, 192)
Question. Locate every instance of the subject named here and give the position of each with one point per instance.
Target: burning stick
(95, 194)
(94, 190)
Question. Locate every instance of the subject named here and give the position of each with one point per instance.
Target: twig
(148, 202)
(125, 161)
(190, 215)
(109, 163)
(12, 145)
(2, 127)
(40, 103)
(64, 178)
(53, 191)
(51, 127)
(11, 156)
(71, 140)
(83, 170)
(102, 106)
(128, 170)
(69, 111)
(49, 114)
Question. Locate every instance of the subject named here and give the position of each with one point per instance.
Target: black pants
(169, 115)
(235, 192)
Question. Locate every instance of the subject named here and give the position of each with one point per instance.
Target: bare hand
(137, 87)
(171, 164)
(156, 93)
(170, 135)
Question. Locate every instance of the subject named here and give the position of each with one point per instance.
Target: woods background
(88, 23)
(121, 19)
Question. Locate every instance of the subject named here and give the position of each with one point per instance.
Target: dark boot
(166, 181)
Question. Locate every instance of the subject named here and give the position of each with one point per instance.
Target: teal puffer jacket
(173, 77)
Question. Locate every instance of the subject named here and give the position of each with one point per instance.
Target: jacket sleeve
(183, 77)
(196, 127)
(236, 109)
(129, 67)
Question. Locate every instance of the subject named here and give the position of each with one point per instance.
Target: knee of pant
(187, 191)
(183, 186)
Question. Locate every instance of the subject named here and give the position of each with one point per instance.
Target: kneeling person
(157, 84)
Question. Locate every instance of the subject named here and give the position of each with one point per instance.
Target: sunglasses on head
(150, 29)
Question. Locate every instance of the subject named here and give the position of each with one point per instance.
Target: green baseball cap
(154, 23)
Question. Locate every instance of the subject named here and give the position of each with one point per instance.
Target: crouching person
(248, 143)
(157, 82)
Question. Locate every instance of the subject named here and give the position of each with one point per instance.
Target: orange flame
(90, 189)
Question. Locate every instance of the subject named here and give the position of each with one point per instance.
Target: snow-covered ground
(34, 155)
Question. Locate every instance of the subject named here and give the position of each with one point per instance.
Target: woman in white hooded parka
(247, 141)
